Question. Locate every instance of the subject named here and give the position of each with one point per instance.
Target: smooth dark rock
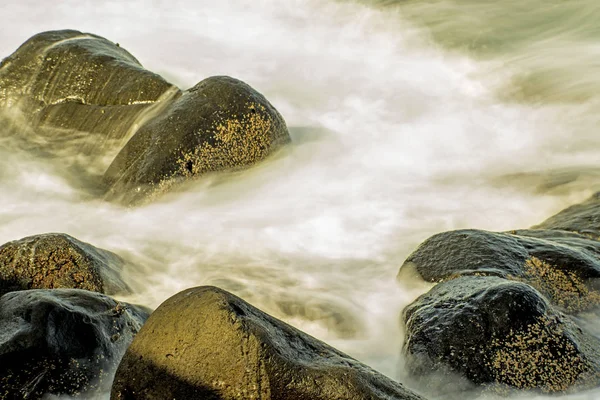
(63, 341)
(563, 266)
(495, 331)
(583, 218)
(448, 254)
(57, 260)
(205, 343)
(220, 124)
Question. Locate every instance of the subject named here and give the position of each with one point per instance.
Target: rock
(205, 343)
(60, 66)
(582, 218)
(448, 254)
(497, 317)
(67, 93)
(81, 93)
(496, 331)
(63, 341)
(219, 124)
(563, 266)
(57, 260)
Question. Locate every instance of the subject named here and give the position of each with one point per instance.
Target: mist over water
(406, 119)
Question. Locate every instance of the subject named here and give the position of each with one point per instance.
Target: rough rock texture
(582, 218)
(78, 91)
(501, 311)
(564, 266)
(205, 343)
(56, 260)
(219, 124)
(493, 330)
(63, 341)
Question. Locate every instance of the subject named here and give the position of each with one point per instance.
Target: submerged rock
(57, 260)
(563, 266)
(205, 343)
(81, 93)
(60, 66)
(63, 341)
(583, 218)
(219, 124)
(496, 331)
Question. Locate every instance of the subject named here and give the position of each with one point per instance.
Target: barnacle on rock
(565, 288)
(238, 142)
(540, 356)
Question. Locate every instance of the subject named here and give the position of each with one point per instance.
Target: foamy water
(397, 135)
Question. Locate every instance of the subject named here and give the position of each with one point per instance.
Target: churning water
(408, 118)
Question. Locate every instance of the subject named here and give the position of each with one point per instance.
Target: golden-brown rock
(57, 260)
(205, 343)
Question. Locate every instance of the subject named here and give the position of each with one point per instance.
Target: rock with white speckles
(62, 341)
(205, 343)
(497, 332)
(509, 308)
(221, 124)
(57, 260)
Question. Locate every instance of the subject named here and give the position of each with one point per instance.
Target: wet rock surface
(59, 66)
(564, 266)
(78, 91)
(68, 92)
(492, 330)
(57, 260)
(63, 341)
(583, 218)
(510, 308)
(205, 343)
(220, 124)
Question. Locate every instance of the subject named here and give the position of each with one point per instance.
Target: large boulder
(495, 331)
(63, 341)
(219, 124)
(81, 98)
(57, 260)
(583, 218)
(205, 343)
(562, 265)
(81, 94)
(499, 311)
